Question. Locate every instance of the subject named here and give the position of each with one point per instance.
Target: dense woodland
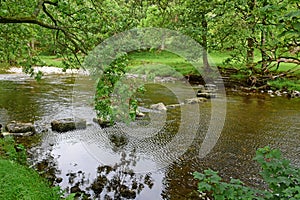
(259, 35)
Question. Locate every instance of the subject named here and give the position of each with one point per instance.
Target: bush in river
(283, 180)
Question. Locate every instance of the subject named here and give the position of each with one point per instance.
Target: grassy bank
(17, 180)
(163, 63)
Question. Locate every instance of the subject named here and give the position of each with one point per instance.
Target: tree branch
(32, 20)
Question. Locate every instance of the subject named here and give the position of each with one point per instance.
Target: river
(145, 165)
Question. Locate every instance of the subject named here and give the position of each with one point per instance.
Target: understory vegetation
(282, 178)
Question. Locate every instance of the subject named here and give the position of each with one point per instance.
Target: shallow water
(161, 151)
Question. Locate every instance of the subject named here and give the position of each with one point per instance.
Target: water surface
(149, 163)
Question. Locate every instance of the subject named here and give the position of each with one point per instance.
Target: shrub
(283, 180)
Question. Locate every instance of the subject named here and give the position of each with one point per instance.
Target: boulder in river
(159, 107)
(68, 124)
(20, 129)
(102, 122)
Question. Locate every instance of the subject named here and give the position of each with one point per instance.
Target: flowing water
(154, 157)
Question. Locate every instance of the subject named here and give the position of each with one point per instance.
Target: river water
(157, 154)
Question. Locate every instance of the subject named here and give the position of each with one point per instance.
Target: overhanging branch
(31, 20)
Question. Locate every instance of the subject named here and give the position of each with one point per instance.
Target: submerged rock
(68, 124)
(159, 107)
(20, 129)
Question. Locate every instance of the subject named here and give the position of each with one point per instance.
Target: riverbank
(229, 77)
(47, 70)
(17, 180)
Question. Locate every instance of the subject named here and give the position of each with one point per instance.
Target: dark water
(160, 152)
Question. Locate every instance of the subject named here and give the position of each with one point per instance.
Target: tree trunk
(250, 52)
(204, 45)
(250, 40)
(264, 55)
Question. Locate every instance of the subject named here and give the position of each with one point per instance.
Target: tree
(75, 27)
(263, 25)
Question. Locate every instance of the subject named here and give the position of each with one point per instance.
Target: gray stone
(295, 94)
(139, 114)
(20, 128)
(195, 100)
(206, 95)
(103, 123)
(68, 124)
(210, 86)
(159, 106)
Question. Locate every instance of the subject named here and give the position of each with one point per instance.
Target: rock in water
(206, 95)
(20, 129)
(68, 124)
(210, 86)
(208, 92)
(195, 100)
(103, 123)
(159, 106)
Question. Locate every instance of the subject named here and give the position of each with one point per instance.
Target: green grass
(52, 61)
(167, 61)
(285, 84)
(20, 182)
(17, 180)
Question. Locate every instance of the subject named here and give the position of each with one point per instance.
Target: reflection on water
(91, 163)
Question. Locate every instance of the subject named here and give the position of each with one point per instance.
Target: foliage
(115, 98)
(282, 178)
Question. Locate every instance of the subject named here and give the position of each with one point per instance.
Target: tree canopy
(259, 34)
